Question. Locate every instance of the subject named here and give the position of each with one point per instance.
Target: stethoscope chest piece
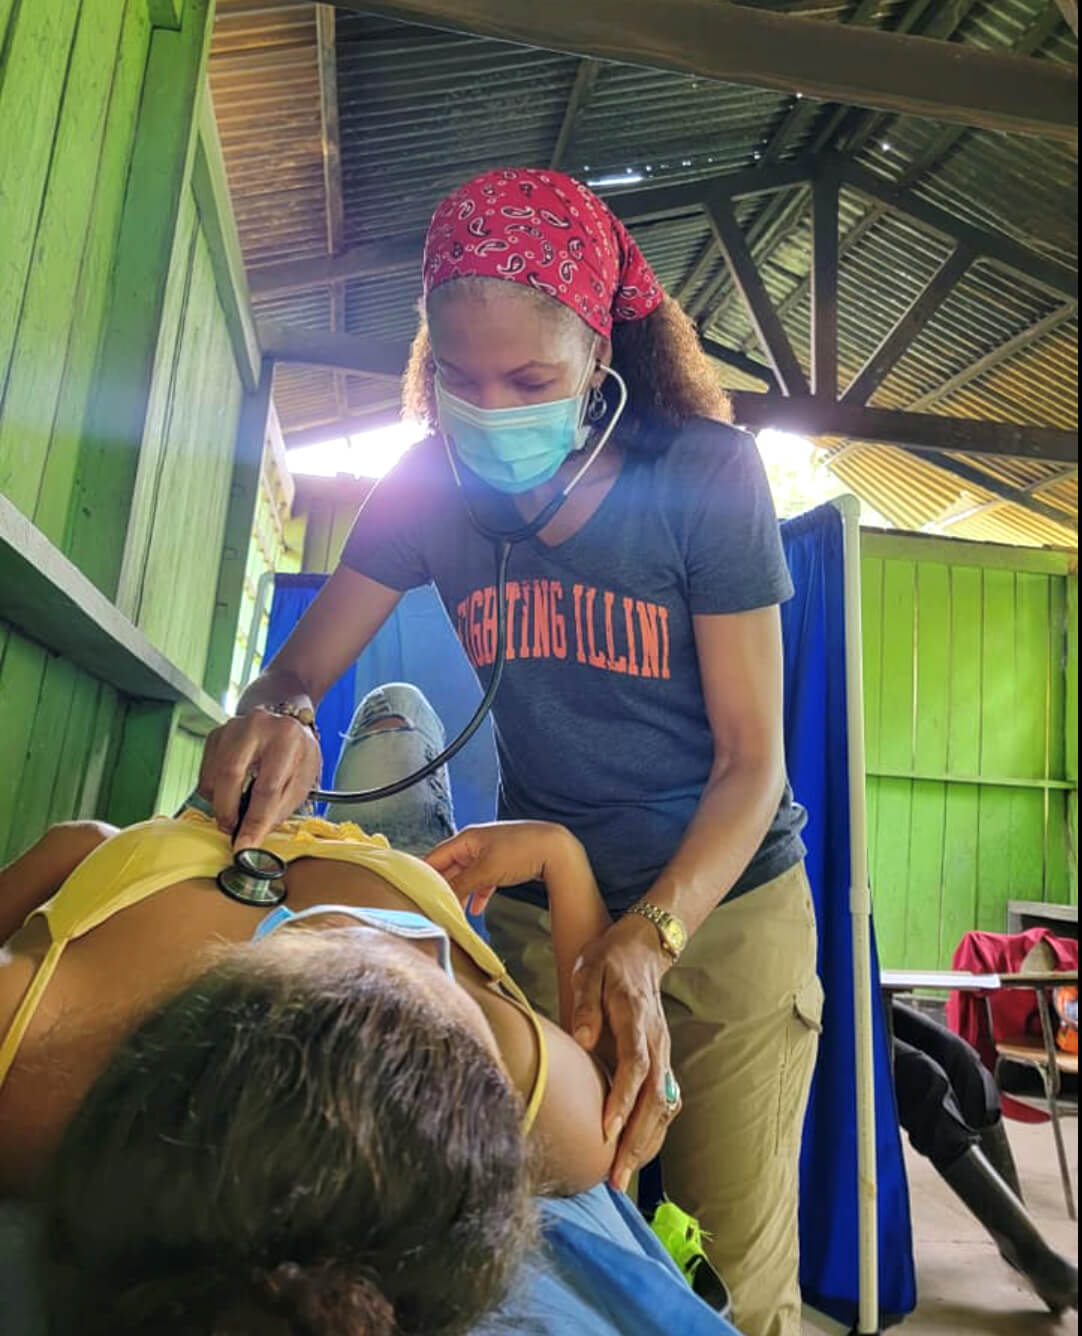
(256, 877)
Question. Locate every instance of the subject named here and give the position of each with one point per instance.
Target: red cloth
(548, 231)
(1014, 1010)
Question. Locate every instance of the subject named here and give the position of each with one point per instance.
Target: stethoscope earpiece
(255, 877)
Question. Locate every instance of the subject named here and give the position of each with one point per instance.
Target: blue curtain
(813, 626)
(418, 645)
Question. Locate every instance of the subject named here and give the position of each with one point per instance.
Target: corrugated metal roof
(421, 110)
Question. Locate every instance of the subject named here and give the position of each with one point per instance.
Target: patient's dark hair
(299, 1144)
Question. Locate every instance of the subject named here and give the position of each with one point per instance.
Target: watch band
(671, 931)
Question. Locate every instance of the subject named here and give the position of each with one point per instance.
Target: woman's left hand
(617, 1006)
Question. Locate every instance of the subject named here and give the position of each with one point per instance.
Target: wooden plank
(871, 597)
(37, 364)
(582, 89)
(892, 853)
(993, 859)
(240, 520)
(136, 780)
(49, 599)
(313, 347)
(961, 843)
(897, 722)
(824, 287)
(78, 736)
(1061, 857)
(158, 422)
(1033, 676)
(211, 191)
(180, 771)
(365, 261)
(160, 168)
(6, 7)
(1027, 871)
(964, 728)
(31, 91)
(924, 907)
(909, 327)
(1000, 728)
(963, 552)
(642, 204)
(772, 336)
(916, 431)
(328, 106)
(933, 649)
(101, 753)
(835, 62)
(56, 497)
(45, 749)
(742, 362)
(995, 246)
(165, 13)
(949, 777)
(1070, 731)
(20, 686)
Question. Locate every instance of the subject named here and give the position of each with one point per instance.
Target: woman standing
(641, 704)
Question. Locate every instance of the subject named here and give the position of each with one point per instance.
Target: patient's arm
(31, 879)
(480, 859)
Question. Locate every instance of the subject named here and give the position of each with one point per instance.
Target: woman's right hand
(284, 759)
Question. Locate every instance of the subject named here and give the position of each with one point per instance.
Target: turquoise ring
(672, 1092)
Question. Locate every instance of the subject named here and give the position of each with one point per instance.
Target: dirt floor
(964, 1287)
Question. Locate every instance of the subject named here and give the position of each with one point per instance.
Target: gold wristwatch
(671, 930)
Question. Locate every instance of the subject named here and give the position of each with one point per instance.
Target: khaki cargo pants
(744, 1007)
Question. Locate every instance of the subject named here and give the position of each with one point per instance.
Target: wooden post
(239, 523)
(760, 308)
(824, 288)
(158, 176)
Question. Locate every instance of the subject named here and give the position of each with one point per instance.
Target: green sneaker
(682, 1238)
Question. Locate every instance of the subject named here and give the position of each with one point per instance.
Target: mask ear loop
(605, 436)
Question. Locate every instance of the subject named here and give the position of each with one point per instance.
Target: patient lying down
(322, 1130)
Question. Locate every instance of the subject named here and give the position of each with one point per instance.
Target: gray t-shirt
(600, 720)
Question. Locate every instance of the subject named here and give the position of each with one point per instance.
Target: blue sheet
(418, 644)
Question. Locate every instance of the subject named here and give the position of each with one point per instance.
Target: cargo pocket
(802, 1033)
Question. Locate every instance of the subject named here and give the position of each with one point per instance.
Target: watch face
(676, 934)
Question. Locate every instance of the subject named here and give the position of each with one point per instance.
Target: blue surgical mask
(398, 922)
(514, 449)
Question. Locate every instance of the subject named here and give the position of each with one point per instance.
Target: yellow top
(138, 862)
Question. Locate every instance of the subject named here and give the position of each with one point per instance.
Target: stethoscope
(256, 876)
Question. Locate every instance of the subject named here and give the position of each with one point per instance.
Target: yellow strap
(9, 1047)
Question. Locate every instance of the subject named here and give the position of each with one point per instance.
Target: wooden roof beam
(990, 245)
(916, 431)
(908, 329)
(321, 347)
(578, 100)
(1004, 493)
(836, 63)
(775, 342)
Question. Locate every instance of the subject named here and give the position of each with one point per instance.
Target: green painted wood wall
(126, 354)
(967, 663)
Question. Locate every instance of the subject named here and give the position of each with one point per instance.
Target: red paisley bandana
(546, 230)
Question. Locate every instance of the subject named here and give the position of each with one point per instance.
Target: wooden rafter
(761, 312)
(1021, 341)
(1004, 493)
(364, 261)
(1069, 10)
(917, 431)
(908, 329)
(347, 352)
(581, 92)
(332, 171)
(837, 63)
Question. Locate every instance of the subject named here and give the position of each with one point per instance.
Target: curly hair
(298, 1144)
(670, 380)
